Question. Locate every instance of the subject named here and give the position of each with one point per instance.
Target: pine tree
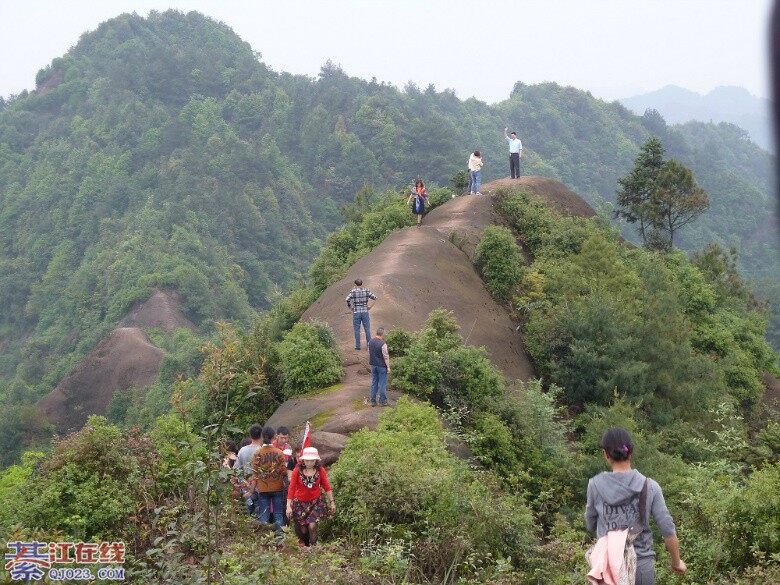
(636, 189)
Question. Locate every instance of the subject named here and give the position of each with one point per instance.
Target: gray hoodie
(613, 503)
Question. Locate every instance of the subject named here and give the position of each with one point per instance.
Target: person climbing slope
(614, 501)
(359, 300)
(270, 472)
(243, 463)
(515, 153)
(306, 496)
(475, 173)
(418, 198)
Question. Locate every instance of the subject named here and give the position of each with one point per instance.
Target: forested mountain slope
(161, 152)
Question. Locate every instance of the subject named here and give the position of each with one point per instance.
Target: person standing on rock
(306, 496)
(475, 173)
(379, 359)
(270, 472)
(243, 462)
(358, 300)
(515, 153)
(418, 198)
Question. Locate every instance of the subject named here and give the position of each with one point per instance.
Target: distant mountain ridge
(726, 103)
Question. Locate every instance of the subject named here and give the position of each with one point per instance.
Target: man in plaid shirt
(358, 300)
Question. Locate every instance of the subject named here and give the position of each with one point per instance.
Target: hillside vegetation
(667, 347)
(162, 152)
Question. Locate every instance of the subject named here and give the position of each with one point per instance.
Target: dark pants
(514, 165)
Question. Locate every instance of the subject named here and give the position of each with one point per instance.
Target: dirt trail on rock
(412, 272)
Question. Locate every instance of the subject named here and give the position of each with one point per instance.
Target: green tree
(676, 201)
(636, 189)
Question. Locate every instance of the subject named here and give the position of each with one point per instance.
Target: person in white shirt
(515, 152)
(475, 173)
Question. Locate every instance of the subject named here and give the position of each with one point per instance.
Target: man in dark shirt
(380, 366)
(358, 300)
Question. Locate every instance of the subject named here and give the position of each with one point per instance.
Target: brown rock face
(412, 272)
(123, 359)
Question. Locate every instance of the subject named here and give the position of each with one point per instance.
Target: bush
(438, 366)
(309, 359)
(401, 479)
(86, 485)
(398, 342)
(499, 260)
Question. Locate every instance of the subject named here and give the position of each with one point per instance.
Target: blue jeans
(378, 382)
(265, 501)
(252, 504)
(475, 180)
(357, 319)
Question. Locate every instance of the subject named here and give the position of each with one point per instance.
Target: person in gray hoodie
(613, 504)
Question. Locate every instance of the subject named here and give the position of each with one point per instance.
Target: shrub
(398, 342)
(86, 484)
(309, 359)
(438, 366)
(499, 260)
(402, 478)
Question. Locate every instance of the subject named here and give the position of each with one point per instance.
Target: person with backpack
(475, 173)
(515, 153)
(379, 360)
(309, 487)
(623, 500)
(418, 199)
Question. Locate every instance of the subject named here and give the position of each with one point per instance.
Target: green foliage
(605, 318)
(309, 359)
(86, 482)
(13, 491)
(498, 259)
(460, 181)
(436, 365)
(401, 479)
(398, 342)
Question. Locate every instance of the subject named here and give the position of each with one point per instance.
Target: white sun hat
(310, 453)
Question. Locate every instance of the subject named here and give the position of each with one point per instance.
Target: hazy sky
(615, 48)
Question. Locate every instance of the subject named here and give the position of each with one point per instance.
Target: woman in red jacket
(305, 501)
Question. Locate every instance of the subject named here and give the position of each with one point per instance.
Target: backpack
(627, 574)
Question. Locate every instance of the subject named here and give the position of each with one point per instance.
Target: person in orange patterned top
(270, 470)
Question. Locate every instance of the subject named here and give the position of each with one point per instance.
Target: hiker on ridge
(270, 473)
(475, 173)
(418, 198)
(615, 499)
(358, 300)
(380, 366)
(515, 152)
(244, 463)
(306, 497)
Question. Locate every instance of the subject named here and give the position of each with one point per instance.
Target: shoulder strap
(643, 503)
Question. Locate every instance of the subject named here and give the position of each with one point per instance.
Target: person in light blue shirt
(515, 152)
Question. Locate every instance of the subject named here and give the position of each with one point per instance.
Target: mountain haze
(731, 104)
